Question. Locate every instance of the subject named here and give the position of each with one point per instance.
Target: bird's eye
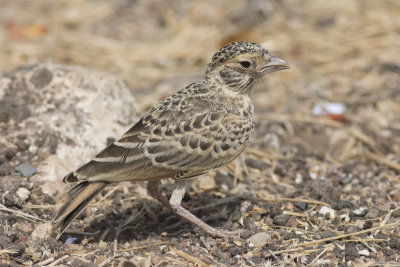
(245, 64)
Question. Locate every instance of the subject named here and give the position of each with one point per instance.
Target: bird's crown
(232, 50)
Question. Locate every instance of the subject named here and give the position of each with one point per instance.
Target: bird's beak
(274, 64)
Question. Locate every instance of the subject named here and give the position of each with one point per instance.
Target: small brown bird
(202, 127)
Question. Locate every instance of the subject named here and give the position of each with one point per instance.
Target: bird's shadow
(148, 219)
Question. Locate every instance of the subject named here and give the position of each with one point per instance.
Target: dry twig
(21, 214)
(382, 160)
(190, 258)
(306, 244)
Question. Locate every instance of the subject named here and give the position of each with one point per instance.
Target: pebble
(234, 251)
(21, 136)
(42, 231)
(301, 205)
(364, 252)
(237, 243)
(259, 239)
(23, 193)
(5, 169)
(299, 178)
(281, 219)
(5, 241)
(245, 233)
(256, 164)
(2, 159)
(26, 169)
(326, 211)
(346, 178)
(33, 149)
(10, 152)
(21, 145)
(344, 204)
(360, 211)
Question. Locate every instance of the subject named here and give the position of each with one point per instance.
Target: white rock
(364, 252)
(33, 149)
(326, 210)
(75, 109)
(23, 193)
(299, 178)
(259, 239)
(42, 231)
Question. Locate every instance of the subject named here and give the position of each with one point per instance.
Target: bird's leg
(174, 204)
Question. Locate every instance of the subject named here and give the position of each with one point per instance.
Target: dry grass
(345, 51)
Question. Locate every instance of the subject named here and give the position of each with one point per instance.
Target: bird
(197, 129)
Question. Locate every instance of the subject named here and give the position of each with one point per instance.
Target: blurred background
(328, 129)
(340, 51)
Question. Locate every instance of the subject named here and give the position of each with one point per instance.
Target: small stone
(5, 241)
(301, 205)
(235, 251)
(344, 204)
(292, 222)
(21, 145)
(346, 178)
(259, 239)
(23, 193)
(237, 243)
(2, 159)
(245, 233)
(281, 220)
(256, 164)
(21, 136)
(364, 252)
(360, 211)
(26, 169)
(299, 178)
(327, 212)
(5, 169)
(36, 256)
(367, 225)
(42, 231)
(314, 172)
(10, 152)
(33, 149)
(327, 234)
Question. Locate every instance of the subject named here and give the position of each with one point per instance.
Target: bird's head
(239, 65)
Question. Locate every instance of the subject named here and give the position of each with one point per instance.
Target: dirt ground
(318, 185)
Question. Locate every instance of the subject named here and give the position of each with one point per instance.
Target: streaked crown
(233, 50)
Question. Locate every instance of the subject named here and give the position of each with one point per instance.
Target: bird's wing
(205, 142)
(176, 139)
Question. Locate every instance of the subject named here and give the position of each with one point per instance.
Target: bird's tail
(79, 196)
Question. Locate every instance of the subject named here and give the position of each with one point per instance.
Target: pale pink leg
(174, 204)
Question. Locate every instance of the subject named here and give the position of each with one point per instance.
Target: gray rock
(359, 211)
(26, 169)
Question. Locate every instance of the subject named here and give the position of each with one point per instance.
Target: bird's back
(197, 129)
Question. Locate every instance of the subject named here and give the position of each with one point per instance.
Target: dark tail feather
(79, 196)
